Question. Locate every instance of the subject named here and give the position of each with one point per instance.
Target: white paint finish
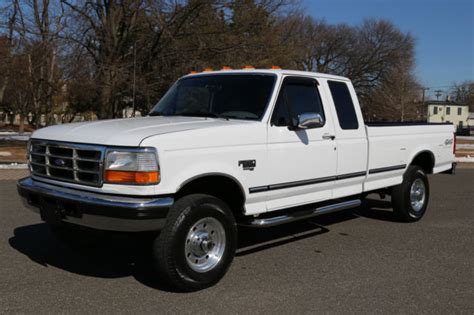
(294, 156)
(190, 147)
(126, 132)
(377, 181)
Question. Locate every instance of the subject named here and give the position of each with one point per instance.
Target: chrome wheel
(417, 194)
(205, 244)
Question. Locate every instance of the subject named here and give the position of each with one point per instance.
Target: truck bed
(395, 145)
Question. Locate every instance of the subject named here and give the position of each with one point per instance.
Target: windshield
(225, 96)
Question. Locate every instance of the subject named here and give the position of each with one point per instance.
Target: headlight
(138, 166)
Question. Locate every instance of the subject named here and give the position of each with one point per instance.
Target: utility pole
(438, 93)
(423, 110)
(134, 77)
(423, 89)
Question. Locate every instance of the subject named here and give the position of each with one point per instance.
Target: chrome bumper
(99, 211)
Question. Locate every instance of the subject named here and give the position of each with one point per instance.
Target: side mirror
(309, 120)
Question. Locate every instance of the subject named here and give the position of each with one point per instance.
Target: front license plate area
(50, 212)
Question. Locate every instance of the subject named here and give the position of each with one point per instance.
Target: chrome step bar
(300, 215)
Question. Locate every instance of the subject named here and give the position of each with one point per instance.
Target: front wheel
(410, 198)
(197, 244)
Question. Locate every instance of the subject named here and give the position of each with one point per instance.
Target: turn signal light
(127, 177)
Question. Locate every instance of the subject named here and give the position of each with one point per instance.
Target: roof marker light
(226, 68)
(207, 70)
(249, 67)
(275, 67)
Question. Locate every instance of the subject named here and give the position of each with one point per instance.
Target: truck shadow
(118, 255)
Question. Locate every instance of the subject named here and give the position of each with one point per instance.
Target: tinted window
(231, 96)
(344, 106)
(297, 96)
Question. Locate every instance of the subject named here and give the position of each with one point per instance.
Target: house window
(459, 111)
(448, 110)
(435, 110)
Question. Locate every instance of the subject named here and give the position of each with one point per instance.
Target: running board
(300, 215)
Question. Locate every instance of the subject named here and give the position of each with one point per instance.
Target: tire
(197, 244)
(410, 198)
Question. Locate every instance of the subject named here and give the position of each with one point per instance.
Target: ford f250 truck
(226, 148)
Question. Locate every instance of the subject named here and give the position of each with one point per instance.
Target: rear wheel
(410, 198)
(197, 244)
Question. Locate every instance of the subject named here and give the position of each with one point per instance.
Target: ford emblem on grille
(59, 162)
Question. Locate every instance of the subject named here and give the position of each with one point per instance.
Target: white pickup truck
(227, 148)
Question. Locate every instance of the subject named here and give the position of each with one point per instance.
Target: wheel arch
(424, 159)
(223, 186)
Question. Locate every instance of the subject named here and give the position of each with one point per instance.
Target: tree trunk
(11, 118)
(3, 87)
(21, 128)
(49, 102)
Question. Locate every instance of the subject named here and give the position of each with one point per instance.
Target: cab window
(345, 110)
(297, 96)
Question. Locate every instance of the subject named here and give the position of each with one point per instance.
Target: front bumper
(95, 210)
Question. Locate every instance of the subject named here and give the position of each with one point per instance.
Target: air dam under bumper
(99, 211)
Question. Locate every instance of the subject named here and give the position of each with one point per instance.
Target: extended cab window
(297, 96)
(344, 106)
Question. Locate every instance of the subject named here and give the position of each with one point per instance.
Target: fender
(193, 178)
(419, 153)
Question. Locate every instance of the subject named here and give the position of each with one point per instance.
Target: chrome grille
(70, 162)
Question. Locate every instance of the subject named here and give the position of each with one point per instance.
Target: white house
(447, 111)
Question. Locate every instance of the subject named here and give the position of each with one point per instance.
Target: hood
(127, 132)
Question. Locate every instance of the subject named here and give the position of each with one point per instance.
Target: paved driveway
(350, 262)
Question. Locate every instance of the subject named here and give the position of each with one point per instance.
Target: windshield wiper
(156, 114)
(191, 114)
(201, 114)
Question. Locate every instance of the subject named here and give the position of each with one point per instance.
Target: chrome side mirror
(309, 120)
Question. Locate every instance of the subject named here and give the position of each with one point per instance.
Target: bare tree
(397, 98)
(35, 24)
(464, 93)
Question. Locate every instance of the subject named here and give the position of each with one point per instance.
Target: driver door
(301, 162)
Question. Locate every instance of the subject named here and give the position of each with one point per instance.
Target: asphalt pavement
(360, 261)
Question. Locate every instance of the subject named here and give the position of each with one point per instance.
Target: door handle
(327, 136)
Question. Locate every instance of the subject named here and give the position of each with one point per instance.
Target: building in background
(470, 123)
(448, 111)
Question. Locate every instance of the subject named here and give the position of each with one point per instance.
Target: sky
(443, 31)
